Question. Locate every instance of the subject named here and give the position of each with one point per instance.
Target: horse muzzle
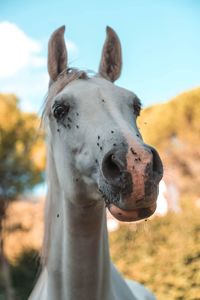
(130, 182)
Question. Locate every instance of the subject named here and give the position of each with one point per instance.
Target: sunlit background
(161, 64)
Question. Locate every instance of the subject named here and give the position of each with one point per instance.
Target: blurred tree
(177, 119)
(22, 160)
(21, 149)
(26, 269)
(173, 128)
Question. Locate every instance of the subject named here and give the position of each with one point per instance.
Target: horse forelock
(55, 87)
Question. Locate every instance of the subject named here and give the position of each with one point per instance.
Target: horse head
(95, 144)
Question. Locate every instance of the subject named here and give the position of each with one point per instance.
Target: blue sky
(160, 43)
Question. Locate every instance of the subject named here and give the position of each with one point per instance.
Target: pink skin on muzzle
(129, 215)
(137, 159)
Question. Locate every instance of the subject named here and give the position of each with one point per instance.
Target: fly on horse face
(96, 159)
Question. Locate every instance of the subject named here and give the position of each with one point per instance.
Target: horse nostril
(112, 165)
(110, 168)
(157, 165)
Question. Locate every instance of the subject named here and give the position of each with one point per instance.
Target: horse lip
(135, 214)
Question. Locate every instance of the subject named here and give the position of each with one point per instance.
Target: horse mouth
(133, 214)
(127, 206)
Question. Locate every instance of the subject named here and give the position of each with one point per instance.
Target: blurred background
(161, 64)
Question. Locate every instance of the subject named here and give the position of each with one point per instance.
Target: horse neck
(78, 261)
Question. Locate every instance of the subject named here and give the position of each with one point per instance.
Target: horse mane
(64, 78)
(50, 202)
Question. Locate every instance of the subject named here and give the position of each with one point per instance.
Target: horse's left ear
(57, 53)
(111, 58)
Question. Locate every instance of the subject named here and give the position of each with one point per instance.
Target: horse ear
(111, 58)
(57, 53)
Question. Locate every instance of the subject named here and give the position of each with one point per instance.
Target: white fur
(78, 265)
(98, 116)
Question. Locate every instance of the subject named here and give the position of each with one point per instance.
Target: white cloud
(23, 68)
(17, 50)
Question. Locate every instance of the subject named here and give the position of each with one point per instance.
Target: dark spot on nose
(112, 131)
(77, 114)
(101, 148)
(98, 144)
(58, 130)
(139, 200)
(77, 126)
(58, 215)
(137, 159)
(133, 152)
(98, 137)
(103, 100)
(114, 145)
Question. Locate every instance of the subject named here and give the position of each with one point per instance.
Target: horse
(97, 159)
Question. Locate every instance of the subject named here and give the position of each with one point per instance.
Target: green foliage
(19, 136)
(174, 129)
(178, 118)
(2, 297)
(24, 274)
(163, 253)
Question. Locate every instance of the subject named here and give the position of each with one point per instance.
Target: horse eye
(137, 110)
(60, 110)
(137, 107)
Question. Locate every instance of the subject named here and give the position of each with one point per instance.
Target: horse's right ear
(57, 53)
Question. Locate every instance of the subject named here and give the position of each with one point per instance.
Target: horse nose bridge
(139, 153)
(144, 162)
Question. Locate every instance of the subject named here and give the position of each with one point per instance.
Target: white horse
(96, 159)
